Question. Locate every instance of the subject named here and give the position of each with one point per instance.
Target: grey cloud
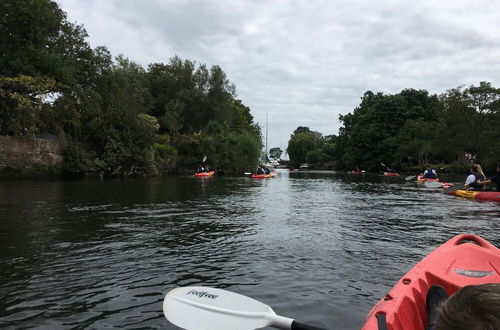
(303, 63)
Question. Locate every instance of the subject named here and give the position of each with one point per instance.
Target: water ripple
(318, 246)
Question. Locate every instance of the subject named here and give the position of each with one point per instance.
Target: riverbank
(31, 158)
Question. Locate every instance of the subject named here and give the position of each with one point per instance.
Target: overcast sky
(303, 63)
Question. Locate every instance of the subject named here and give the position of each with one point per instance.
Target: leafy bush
(75, 161)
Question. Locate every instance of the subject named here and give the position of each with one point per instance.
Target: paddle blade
(410, 177)
(204, 308)
(204, 159)
(433, 184)
(453, 188)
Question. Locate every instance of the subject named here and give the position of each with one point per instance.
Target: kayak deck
(422, 179)
(391, 174)
(264, 176)
(482, 195)
(463, 260)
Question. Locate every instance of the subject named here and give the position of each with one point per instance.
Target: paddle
(433, 184)
(247, 173)
(205, 308)
(410, 177)
(454, 188)
(204, 159)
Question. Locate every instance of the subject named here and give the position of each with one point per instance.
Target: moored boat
(464, 260)
(482, 195)
(205, 173)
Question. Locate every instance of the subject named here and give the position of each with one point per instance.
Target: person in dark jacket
(494, 179)
(474, 180)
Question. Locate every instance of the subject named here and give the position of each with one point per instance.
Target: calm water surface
(319, 247)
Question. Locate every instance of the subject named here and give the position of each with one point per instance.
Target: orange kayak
(205, 173)
(422, 179)
(264, 176)
(464, 260)
(391, 174)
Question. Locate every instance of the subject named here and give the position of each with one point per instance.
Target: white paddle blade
(204, 308)
(410, 177)
(204, 159)
(433, 184)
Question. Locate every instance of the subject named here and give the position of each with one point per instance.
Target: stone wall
(21, 157)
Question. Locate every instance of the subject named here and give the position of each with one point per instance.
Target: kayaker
(200, 169)
(429, 173)
(494, 179)
(260, 170)
(473, 181)
(471, 307)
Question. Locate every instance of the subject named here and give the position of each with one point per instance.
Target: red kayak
(205, 173)
(421, 179)
(483, 195)
(264, 176)
(464, 260)
(391, 174)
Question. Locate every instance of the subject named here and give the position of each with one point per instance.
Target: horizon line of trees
(407, 130)
(118, 118)
(121, 119)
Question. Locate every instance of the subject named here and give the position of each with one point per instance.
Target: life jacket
(474, 185)
(429, 174)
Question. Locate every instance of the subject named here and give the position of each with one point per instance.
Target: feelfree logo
(202, 294)
(473, 273)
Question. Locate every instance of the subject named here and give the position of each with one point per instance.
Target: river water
(320, 247)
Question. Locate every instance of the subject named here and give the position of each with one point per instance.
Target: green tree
(299, 145)
(416, 137)
(275, 153)
(367, 134)
(37, 40)
(21, 101)
(121, 132)
(471, 118)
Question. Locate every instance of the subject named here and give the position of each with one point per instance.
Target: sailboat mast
(267, 129)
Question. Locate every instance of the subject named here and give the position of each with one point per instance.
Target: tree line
(117, 118)
(409, 130)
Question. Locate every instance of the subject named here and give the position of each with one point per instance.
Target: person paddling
(391, 169)
(429, 173)
(494, 179)
(475, 178)
(200, 169)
